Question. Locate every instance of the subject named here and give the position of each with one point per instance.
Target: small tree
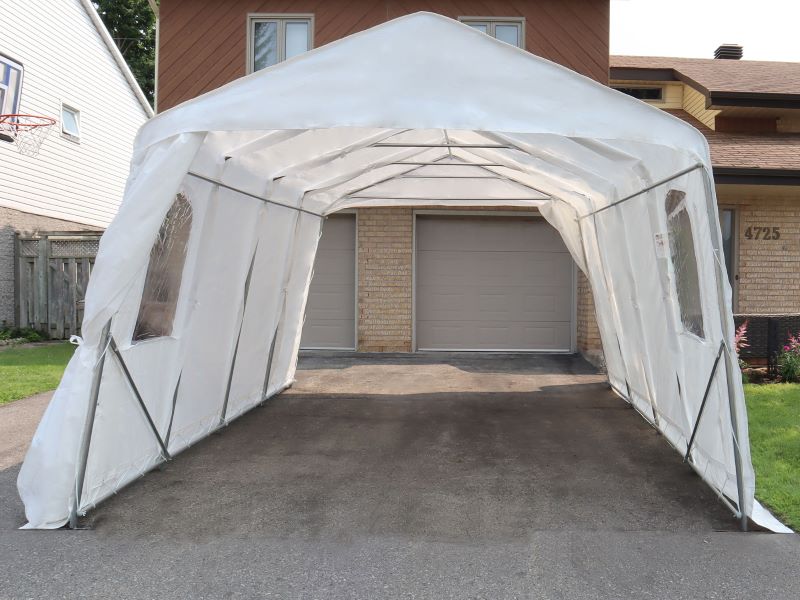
(132, 26)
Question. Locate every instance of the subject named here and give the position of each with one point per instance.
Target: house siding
(80, 182)
(202, 43)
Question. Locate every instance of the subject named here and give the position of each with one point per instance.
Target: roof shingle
(722, 76)
(748, 151)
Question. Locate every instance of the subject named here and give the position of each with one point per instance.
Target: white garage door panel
(330, 312)
(486, 283)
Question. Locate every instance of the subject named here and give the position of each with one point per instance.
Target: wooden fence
(52, 272)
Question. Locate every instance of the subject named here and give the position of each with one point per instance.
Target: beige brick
(385, 241)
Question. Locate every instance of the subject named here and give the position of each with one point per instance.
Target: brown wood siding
(203, 42)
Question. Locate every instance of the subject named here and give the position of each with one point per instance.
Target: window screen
(164, 273)
(684, 262)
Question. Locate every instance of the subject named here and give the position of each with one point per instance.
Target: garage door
(492, 283)
(330, 312)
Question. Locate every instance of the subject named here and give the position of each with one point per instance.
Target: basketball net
(28, 132)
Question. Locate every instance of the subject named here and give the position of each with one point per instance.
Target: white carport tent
(378, 119)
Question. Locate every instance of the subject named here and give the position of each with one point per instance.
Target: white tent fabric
(377, 119)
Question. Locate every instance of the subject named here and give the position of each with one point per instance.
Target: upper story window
(10, 85)
(70, 122)
(274, 38)
(509, 30)
(646, 93)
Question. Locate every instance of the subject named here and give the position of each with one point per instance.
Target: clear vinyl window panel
(508, 30)
(162, 283)
(684, 262)
(277, 38)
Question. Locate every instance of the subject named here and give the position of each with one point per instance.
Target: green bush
(789, 360)
(22, 333)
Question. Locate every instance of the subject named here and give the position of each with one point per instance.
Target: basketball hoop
(28, 132)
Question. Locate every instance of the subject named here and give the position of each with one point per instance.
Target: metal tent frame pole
(727, 334)
(86, 438)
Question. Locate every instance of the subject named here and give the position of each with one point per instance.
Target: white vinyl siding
(66, 61)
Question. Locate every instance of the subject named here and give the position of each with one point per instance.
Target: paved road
(413, 477)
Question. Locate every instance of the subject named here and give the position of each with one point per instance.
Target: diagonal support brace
(115, 350)
(703, 403)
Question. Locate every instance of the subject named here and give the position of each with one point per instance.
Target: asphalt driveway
(439, 476)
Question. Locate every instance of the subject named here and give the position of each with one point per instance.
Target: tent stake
(164, 452)
(86, 439)
(703, 403)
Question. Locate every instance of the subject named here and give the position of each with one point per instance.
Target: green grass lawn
(774, 416)
(30, 370)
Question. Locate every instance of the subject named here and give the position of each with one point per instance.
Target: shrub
(789, 360)
(25, 334)
(739, 343)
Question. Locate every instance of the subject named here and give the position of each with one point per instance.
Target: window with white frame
(10, 88)
(275, 38)
(509, 30)
(70, 122)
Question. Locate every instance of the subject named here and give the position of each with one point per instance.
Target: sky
(768, 29)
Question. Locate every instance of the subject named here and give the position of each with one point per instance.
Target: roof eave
(756, 176)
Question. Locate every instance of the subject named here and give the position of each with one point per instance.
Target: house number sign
(762, 233)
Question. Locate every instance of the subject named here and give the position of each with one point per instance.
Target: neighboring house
(750, 113)
(402, 279)
(497, 278)
(57, 60)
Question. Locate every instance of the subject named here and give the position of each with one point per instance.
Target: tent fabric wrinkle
(463, 120)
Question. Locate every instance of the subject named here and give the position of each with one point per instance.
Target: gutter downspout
(118, 58)
(154, 8)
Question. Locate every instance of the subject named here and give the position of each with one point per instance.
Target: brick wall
(588, 334)
(385, 242)
(385, 248)
(769, 270)
(11, 222)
